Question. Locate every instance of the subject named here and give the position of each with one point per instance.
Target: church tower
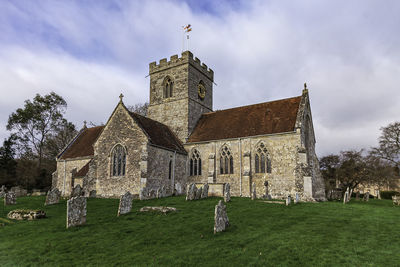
(180, 91)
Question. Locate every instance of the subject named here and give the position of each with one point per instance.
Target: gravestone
(76, 191)
(254, 192)
(19, 191)
(297, 198)
(93, 194)
(204, 193)
(76, 211)
(10, 199)
(288, 200)
(221, 220)
(379, 194)
(191, 192)
(26, 214)
(345, 198)
(144, 193)
(152, 193)
(199, 192)
(2, 191)
(163, 191)
(178, 189)
(125, 203)
(227, 192)
(366, 196)
(358, 195)
(53, 197)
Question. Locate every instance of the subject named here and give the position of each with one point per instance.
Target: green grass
(262, 234)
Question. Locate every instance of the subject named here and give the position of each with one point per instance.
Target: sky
(347, 51)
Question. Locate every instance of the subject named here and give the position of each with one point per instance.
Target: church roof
(82, 145)
(83, 171)
(159, 134)
(265, 118)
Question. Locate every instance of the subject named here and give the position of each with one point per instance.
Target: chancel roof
(265, 118)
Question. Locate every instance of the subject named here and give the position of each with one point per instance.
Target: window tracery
(118, 157)
(226, 160)
(195, 163)
(262, 159)
(168, 87)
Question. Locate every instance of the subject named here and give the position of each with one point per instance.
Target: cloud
(346, 51)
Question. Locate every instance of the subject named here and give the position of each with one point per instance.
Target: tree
(389, 144)
(139, 108)
(59, 139)
(7, 162)
(36, 121)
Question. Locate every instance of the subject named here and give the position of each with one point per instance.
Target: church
(181, 140)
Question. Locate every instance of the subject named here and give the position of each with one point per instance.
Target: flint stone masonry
(221, 221)
(26, 215)
(53, 197)
(77, 191)
(76, 211)
(10, 199)
(161, 209)
(227, 193)
(125, 203)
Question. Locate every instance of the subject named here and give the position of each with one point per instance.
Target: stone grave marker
(191, 192)
(358, 195)
(2, 191)
(178, 188)
(227, 192)
(125, 203)
(10, 199)
(221, 220)
(254, 192)
(379, 194)
(93, 194)
(297, 198)
(345, 198)
(144, 193)
(53, 197)
(76, 211)
(76, 191)
(288, 200)
(366, 196)
(199, 193)
(204, 193)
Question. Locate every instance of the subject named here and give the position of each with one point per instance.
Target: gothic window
(168, 87)
(226, 161)
(262, 159)
(195, 163)
(118, 157)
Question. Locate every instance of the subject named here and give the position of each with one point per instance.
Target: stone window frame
(262, 159)
(226, 163)
(195, 163)
(168, 87)
(122, 172)
(170, 169)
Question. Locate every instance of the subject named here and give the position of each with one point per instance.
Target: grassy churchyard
(306, 234)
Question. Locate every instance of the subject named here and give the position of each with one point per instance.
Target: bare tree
(140, 108)
(389, 144)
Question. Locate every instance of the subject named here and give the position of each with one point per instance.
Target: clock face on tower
(201, 91)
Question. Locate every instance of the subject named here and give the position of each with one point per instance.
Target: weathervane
(186, 29)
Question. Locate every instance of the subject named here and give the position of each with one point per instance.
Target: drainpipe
(240, 164)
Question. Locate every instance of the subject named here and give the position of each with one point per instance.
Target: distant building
(183, 141)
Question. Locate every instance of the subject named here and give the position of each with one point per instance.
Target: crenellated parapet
(186, 58)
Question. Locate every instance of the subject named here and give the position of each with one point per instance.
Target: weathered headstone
(125, 203)
(379, 194)
(19, 191)
(2, 191)
(76, 191)
(53, 197)
(358, 195)
(178, 189)
(297, 198)
(144, 193)
(191, 192)
(221, 220)
(366, 196)
(10, 199)
(288, 200)
(92, 193)
(253, 192)
(199, 192)
(345, 198)
(204, 193)
(76, 211)
(227, 192)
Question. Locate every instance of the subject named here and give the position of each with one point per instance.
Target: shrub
(389, 194)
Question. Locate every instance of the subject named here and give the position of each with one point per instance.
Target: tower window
(168, 87)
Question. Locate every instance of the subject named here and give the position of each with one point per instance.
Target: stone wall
(120, 129)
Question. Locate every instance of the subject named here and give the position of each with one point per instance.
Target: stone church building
(182, 141)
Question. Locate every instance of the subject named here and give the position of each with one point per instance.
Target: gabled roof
(159, 134)
(82, 145)
(265, 118)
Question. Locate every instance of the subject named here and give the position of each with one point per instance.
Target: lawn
(263, 234)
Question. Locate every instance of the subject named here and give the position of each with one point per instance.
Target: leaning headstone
(76, 211)
(288, 200)
(227, 192)
(199, 192)
(10, 199)
(93, 194)
(297, 198)
(221, 220)
(254, 192)
(358, 195)
(204, 193)
(53, 197)
(125, 203)
(76, 191)
(345, 198)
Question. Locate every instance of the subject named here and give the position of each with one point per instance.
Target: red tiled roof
(83, 171)
(265, 118)
(158, 133)
(82, 146)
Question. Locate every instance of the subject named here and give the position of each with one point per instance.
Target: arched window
(168, 87)
(118, 157)
(262, 159)
(195, 163)
(226, 161)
